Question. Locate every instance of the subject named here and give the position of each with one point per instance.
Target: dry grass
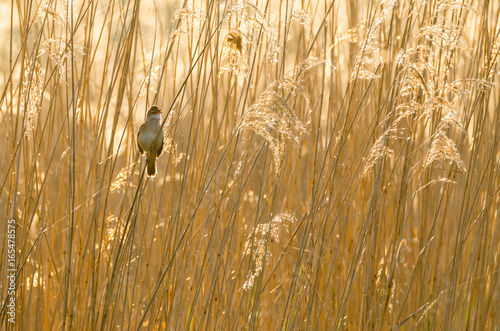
(327, 165)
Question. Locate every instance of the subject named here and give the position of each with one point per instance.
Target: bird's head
(154, 110)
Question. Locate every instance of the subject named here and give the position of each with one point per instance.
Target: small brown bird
(150, 138)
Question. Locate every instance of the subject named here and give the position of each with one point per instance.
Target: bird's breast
(150, 136)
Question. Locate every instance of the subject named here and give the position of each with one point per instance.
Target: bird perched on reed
(150, 138)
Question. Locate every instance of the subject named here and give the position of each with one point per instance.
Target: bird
(150, 138)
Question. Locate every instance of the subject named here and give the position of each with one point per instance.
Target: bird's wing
(160, 149)
(138, 133)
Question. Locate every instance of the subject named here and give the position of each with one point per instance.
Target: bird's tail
(151, 164)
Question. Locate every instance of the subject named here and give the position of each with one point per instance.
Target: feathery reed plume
(272, 118)
(368, 57)
(151, 81)
(449, 35)
(170, 147)
(58, 12)
(273, 49)
(302, 17)
(114, 229)
(494, 57)
(233, 55)
(310, 63)
(257, 243)
(187, 17)
(464, 87)
(31, 94)
(424, 93)
(122, 180)
(352, 35)
(57, 49)
(444, 148)
(379, 150)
